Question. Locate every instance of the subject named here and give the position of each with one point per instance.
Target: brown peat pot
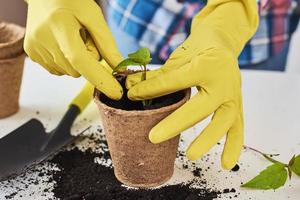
(11, 40)
(137, 162)
(11, 71)
(11, 67)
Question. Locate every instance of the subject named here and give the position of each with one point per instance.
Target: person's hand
(207, 60)
(67, 37)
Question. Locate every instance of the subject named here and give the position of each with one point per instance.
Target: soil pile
(81, 178)
(85, 172)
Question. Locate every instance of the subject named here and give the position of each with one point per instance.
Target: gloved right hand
(67, 36)
(207, 60)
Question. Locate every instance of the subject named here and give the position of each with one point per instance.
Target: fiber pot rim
(186, 97)
(12, 59)
(17, 32)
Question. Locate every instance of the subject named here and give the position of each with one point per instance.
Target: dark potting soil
(126, 104)
(80, 178)
(236, 168)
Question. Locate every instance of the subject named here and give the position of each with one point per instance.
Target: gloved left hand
(207, 60)
(67, 36)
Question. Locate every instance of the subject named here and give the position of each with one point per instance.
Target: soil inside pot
(126, 104)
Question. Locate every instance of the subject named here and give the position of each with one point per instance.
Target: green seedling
(141, 58)
(275, 175)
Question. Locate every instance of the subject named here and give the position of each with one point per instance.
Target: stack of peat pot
(11, 67)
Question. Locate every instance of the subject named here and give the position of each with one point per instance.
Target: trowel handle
(84, 97)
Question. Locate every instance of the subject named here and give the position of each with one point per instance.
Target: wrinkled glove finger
(62, 63)
(181, 55)
(164, 84)
(234, 144)
(90, 45)
(94, 21)
(59, 58)
(106, 66)
(215, 130)
(82, 61)
(49, 59)
(34, 56)
(175, 61)
(195, 110)
(136, 78)
(65, 64)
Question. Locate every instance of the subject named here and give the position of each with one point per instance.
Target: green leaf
(124, 64)
(141, 56)
(273, 177)
(295, 165)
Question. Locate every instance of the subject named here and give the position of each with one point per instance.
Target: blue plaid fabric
(273, 34)
(162, 25)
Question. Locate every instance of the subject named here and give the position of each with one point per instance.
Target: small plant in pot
(137, 162)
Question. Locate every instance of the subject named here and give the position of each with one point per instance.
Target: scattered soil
(86, 173)
(33, 177)
(126, 104)
(236, 168)
(197, 172)
(80, 178)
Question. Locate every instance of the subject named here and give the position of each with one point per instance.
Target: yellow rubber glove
(207, 60)
(67, 36)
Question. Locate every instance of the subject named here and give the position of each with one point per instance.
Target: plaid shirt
(162, 25)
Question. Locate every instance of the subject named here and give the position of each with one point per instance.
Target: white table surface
(272, 116)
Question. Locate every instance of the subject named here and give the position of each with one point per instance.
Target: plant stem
(145, 72)
(267, 156)
(144, 77)
(257, 151)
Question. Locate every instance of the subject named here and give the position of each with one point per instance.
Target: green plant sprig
(275, 175)
(141, 58)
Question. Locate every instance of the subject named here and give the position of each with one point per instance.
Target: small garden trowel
(30, 144)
